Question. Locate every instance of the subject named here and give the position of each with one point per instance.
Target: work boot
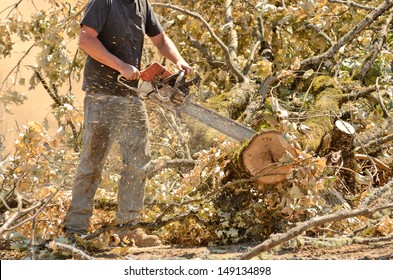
(140, 237)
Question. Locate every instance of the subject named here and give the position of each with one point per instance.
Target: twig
(234, 42)
(377, 142)
(359, 93)
(17, 64)
(177, 126)
(247, 67)
(17, 215)
(52, 93)
(224, 47)
(378, 193)
(12, 7)
(302, 227)
(213, 62)
(374, 160)
(387, 4)
(320, 32)
(378, 45)
(385, 111)
(353, 4)
(38, 211)
(159, 164)
(60, 246)
(257, 45)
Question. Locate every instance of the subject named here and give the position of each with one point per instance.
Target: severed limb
(302, 227)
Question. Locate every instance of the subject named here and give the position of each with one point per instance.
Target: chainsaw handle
(179, 79)
(121, 79)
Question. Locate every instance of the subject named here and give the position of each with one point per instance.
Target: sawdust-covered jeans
(110, 118)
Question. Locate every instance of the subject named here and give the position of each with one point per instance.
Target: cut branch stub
(261, 157)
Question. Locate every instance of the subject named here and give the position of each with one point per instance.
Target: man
(112, 34)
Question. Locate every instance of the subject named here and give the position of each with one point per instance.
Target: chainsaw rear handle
(121, 80)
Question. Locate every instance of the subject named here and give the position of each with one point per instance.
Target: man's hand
(130, 72)
(93, 47)
(168, 49)
(182, 65)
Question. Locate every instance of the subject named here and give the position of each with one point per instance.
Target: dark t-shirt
(121, 26)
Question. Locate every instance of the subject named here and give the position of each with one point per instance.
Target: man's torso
(122, 25)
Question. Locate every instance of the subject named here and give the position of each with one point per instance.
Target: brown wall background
(37, 107)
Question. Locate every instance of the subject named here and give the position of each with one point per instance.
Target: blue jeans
(110, 118)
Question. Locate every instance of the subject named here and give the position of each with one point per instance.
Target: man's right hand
(92, 46)
(130, 72)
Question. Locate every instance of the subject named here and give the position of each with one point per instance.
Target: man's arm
(89, 42)
(168, 49)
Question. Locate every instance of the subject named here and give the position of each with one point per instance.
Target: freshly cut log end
(261, 158)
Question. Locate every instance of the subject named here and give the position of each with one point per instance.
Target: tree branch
(387, 4)
(213, 62)
(53, 94)
(197, 16)
(19, 213)
(320, 32)
(234, 43)
(159, 164)
(302, 227)
(378, 45)
(353, 4)
(17, 64)
(377, 142)
(64, 247)
(12, 7)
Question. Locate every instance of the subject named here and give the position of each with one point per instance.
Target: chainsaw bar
(171, 92)
(216, 121)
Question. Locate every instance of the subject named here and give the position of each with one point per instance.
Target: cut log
(261, 157)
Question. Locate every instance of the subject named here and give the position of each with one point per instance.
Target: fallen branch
(374, 160)
(353, 4)
(149, 226)
(372, 16)
(380, 100)
(378, 193)
(44, 205)
(64, 247)
(302, 227)
(157, 165)
(376, 142)
(17, 215)
(360, 93)
(159, 223)
(378, 45)
(320, 32)
(348, 240)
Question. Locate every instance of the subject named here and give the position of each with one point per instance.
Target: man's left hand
(182, 65)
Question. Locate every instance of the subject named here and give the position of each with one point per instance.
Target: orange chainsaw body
(153, 71)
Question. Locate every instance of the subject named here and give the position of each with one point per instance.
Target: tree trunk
(261, 158)
(327, 98)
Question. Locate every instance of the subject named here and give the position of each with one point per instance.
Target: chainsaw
(172, 91)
